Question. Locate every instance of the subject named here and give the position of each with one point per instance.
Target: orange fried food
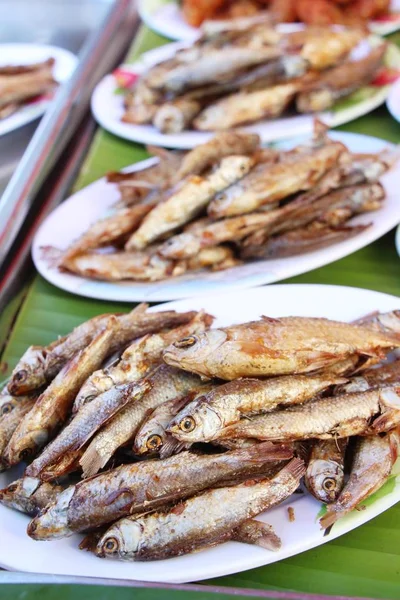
(283, 11)
(319, 12)
(237, 9)
(368, 9)
(197, 11)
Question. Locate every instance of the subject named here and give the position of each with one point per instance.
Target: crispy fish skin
(358, 413)
(328, 50)
(142, 486)
(266, 185)
(324, 477)
(85, 424)
(52, 407)
(246, 107)
(226, 143)
(373, 461)
(202, 419)
(339, 81)
(9, 423)
(213, 65)
(302, 240)
(139, 358)
(288, 345)
(108, 230)
(199, 522)
(166, 383)
(29, 495)
(188, 201)
(175, 116)
(386, 374)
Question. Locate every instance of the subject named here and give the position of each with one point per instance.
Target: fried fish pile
(250, 72)
(227, 201)
(19, 84)
(231, 419)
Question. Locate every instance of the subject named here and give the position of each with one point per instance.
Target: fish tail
(170, 447)
(92, 461)
(268, 539)
(328, 519)
(266, 451)
(296, 468)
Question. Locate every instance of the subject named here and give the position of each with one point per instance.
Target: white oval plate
(108, 109)
(165, 17)
(93, 202)
(24, 54)
(62, 557)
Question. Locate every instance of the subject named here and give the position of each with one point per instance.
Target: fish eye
(186, 342)
(154, 442)
(329, 484)
(6, 408)
(26, 453)
(111, 545)
(187, 424)
(21, 375)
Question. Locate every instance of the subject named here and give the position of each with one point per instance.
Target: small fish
(226, 143)
(137, 360)
(385, 374)
(246, 107)
(288, 345)
(175, 116)
(265, 185)
(302, 240)
(51, 409)
(29, 495)
(358, 413)
(152, 437)
(166, 383)
(9, 402)
(190, 199)
(373, 460)
(9, 422)
(324, 477)
(202, 521)
(135, 488)
(204, 417)
(18, 87)
(106, 231)
(85, 424)
(339, 81)
(210, 67)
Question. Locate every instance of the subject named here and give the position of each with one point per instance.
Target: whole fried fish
(269, 184)
(85, 424)
(192, 197)
(374, 458)
(324, 477)
(202, 521)
(202, 419)
(358, 413)
(275, 347)
(29, 495)
(246, 107)
(19, 87)
(226, 143)
(137, 360)
(147, 485)
(166, 383)
(52, 408)
(9, 422)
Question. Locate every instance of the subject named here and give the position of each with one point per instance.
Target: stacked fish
(226, 201)
(19, 84)
(245, 71)
(227, 416)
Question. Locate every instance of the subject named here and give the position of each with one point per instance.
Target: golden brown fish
(324, 477)
(29, 495)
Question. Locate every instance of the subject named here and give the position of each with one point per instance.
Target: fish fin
(269, 319)
(388, 420)
(257, 533)
(171, 446)
(266, 451)
(296, 468)
(140, 308)
(92, 461)
(329, 519)
(91, 540)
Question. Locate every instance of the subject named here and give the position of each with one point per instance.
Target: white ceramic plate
(165, 17)
(17, 551)
(108, 109)
(24, 54)
(62, 226)
(393, 101)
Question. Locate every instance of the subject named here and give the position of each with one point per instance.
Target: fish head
(52, 522)
(18, 494)
(7, 404)
(121, 540)
(24, 446)
(326, 479)
(198, 422)
(29, 374)
(150, 439)
(190, 353)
